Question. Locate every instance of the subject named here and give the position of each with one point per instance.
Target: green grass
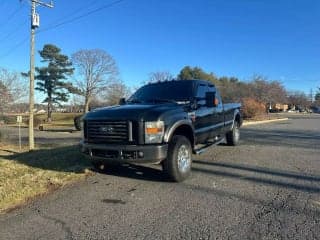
(23, 176)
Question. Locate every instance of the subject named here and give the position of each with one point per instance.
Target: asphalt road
(54, 137)
(268, 187)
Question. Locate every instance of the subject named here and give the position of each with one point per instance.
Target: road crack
(57, 221)
(283, 218)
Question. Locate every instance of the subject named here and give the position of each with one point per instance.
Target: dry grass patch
(60, 121)
(60, 118)
(26, 175)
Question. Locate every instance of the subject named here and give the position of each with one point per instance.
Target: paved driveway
(268, 187)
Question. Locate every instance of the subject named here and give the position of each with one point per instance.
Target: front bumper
(125, 153)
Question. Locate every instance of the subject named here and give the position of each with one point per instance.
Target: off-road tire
(175, 169)
(233, 136)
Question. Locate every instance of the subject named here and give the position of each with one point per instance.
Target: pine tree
(51, 79)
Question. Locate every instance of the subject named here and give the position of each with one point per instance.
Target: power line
(81, 16)
(13, 14)
(11, 50)
(76, 11)
(13, 31)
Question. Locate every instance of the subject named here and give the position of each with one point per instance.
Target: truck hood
(136, 112)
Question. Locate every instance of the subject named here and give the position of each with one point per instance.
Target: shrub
(251, 108)
(8, 119)
(36, 121)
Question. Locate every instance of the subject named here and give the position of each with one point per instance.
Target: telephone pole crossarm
(49, 5)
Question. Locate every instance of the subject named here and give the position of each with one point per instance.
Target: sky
(278, 39)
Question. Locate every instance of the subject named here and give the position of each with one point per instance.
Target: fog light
(140, 154)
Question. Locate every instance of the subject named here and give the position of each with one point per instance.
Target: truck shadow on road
(276, 205)
(295, 139)
(266, 176)
(69, 159)
(149, 172)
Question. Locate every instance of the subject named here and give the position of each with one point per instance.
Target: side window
(201, 93)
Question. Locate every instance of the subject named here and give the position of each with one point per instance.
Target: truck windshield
(173, 91)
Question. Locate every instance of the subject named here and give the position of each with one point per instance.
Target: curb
(264, 121)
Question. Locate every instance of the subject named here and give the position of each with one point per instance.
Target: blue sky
(277, 39)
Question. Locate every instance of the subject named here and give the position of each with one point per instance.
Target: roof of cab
(191, 80)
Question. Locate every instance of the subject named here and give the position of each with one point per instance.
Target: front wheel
(233, 136)
(178, 163)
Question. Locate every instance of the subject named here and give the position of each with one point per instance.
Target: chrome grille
(102, 131)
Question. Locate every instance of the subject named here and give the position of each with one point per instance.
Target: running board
(209, 144)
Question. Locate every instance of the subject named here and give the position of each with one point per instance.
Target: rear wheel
(177, 166)
(77, 123)
(233, 136)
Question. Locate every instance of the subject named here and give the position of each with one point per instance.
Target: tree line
(259, 90)
(92, 78)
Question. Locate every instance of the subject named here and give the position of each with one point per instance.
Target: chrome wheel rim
(184, 159)
(236, 133)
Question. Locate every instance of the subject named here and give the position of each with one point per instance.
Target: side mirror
(211, 100)
(122, 101)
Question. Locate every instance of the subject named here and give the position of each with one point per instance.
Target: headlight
(154, 131)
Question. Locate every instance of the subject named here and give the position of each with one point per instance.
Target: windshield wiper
(161, 100)
(135, 100)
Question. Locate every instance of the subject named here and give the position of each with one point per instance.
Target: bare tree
(96, 68)
(160, 76)
(5, 97)
(12, 88)
(267, 91)
(317, 97)
(298, 99)
(116, 90)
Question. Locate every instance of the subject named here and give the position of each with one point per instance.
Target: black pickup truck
(161, 122)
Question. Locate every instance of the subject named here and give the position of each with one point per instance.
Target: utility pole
(34, 25)
(311, 95)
